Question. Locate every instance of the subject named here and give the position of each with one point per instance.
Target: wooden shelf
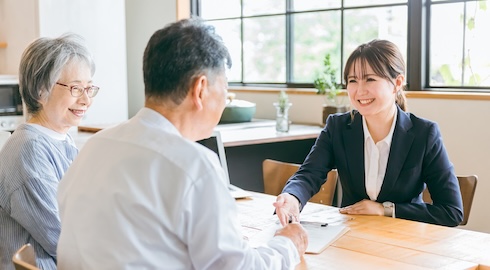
(3, 45)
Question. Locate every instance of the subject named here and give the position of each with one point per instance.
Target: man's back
(141, 196)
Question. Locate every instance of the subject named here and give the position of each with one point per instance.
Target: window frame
(418, 46)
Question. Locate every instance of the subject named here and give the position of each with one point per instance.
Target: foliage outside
(258, 43)
(325, 83)
(461, 66)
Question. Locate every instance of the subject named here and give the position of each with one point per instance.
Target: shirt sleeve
(34, 207)
(312, 174)
(216, 237)
(438, 172)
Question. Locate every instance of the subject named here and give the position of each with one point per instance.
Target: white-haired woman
(55, 78)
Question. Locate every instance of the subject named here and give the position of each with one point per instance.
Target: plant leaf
(471, 23)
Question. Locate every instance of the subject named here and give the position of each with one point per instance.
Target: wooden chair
(467, 185)
(25, 258)
(276, 173)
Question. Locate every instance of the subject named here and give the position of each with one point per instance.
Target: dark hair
(43, 62)
(178, 54)
(384, 58)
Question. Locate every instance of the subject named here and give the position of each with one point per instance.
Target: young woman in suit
(385, 156)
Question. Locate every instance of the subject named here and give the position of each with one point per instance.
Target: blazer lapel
(354, 148)
(400, 146)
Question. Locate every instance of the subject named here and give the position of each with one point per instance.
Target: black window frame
(418, 45)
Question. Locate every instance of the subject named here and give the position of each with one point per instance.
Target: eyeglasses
(77, 90)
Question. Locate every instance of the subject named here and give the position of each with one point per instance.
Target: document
(324, 224)
(319, 237)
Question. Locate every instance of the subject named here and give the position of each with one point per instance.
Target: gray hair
(178, 54)
(43, 62)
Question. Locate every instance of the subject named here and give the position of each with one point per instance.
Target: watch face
(387, 204)
(388, 209)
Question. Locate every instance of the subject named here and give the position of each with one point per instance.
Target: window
(459, 45)
(283, 43)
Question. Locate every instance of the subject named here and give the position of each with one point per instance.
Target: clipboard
(319, 237)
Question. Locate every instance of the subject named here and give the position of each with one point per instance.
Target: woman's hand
(287, 208)
(364, 207)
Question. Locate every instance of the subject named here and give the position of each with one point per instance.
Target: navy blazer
(417, 158)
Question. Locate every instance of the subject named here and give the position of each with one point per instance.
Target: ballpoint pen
(321, 224)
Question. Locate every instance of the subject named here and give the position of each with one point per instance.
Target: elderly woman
(55, 78)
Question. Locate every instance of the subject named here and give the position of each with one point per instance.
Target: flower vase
(282, 116)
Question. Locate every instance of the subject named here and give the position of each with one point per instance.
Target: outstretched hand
(287, 208)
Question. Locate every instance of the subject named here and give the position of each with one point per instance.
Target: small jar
(282, 116)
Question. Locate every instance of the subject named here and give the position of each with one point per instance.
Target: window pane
(218, 9)
(254, 7)
(315, 34)
(468, 44)
(363, 25)
(357, 3)
(264, 49)
(301, 5)
(229, 30)
(477, 44)
(446, 54)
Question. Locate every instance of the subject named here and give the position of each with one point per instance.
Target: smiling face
(60, 110)
(369, 93)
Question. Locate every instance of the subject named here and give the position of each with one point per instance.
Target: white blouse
(376, 159)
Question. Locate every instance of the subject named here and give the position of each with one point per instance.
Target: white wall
(116, 32)
(101, 23)
(463, 125)
(466, 135)
(143, 18)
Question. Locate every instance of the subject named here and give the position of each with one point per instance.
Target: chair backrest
(25, 258)
(467, 185)
(276, 174)
(4, 135)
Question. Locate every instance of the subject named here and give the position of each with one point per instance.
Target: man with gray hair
(145, 195)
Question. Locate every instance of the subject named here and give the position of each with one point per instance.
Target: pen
(321, 224)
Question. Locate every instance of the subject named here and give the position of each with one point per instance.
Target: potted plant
(326, 84)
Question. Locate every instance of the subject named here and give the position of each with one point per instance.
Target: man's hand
(287, 208)
(297, 234)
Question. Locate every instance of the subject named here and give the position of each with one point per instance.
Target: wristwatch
(388, 207)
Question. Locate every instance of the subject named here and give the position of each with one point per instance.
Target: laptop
(215, 144)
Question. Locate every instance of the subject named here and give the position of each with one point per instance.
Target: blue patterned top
(31, 164)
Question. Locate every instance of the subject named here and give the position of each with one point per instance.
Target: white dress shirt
(376, 159)
(140, 196)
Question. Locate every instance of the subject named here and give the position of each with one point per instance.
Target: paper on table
(319, 238)
(259, 224)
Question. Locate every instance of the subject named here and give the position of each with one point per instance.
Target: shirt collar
(49, 132)
(388, 138)
(156, 119)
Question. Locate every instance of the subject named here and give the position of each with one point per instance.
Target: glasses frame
(95, 90)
